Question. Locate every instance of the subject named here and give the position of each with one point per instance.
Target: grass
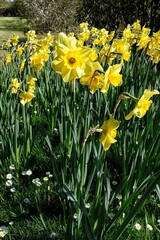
(8, 26)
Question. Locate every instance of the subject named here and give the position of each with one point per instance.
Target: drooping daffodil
(109, 132)
(143, 104)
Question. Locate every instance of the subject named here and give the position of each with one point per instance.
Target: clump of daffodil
(143, 38)
(136, 28)
(41, 52)
(143, 104)
(101, 36)
(70, 59)
(85, 32)
(31, 36)
(15, 84)
(93, 76)
(48, 40)
(105, 55)
(109, 132)
(153, 49)
(128, 35)
(113, 77)
(121, 47)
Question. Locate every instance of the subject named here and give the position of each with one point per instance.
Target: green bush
(111, 13)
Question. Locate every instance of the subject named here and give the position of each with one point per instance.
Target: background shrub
(48, 14)
(111, 13)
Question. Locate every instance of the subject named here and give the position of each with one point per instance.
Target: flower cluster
(95, 58)
(3, 231)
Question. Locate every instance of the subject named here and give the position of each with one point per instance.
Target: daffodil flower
(93, 76)
(14, 85)
(8, 58)
(142, 105)
(113, 77)
(109, 132)
(70, 59)
(26, 97)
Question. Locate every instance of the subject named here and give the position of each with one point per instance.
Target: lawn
(10, 25)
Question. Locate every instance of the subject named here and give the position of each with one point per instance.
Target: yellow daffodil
(112, 76)
(8, 43)
(137, 28)
(19, 51)
(142, 105)
(123, 47)
(14, 85)
(37, 61)
(26, 97)
(127, 33)
(153, 49)
(70, 59)
(93, 77)
(109, 132)
(144, 40)
(93, 56)
(31, 35)
(84, 25)
(22, 65)
(14, 39)
(8, 58)
(31, 83)
(84, 36)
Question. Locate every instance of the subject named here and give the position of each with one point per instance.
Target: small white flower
(119, 196)
(35, 180)
(13, 190)
(12, 167)
(9, 183)
(3, 231)
(45, 179)
(114, 183)
(38, 184)
(52, 235)
(23, 173)
(149, 227)
(138, 226)
(139, 196)
(35, 112)
(87, 205)
(28, 172)
(11, 223)
(26, 200)
(9, 176)
(48, 173)
(75, 216)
